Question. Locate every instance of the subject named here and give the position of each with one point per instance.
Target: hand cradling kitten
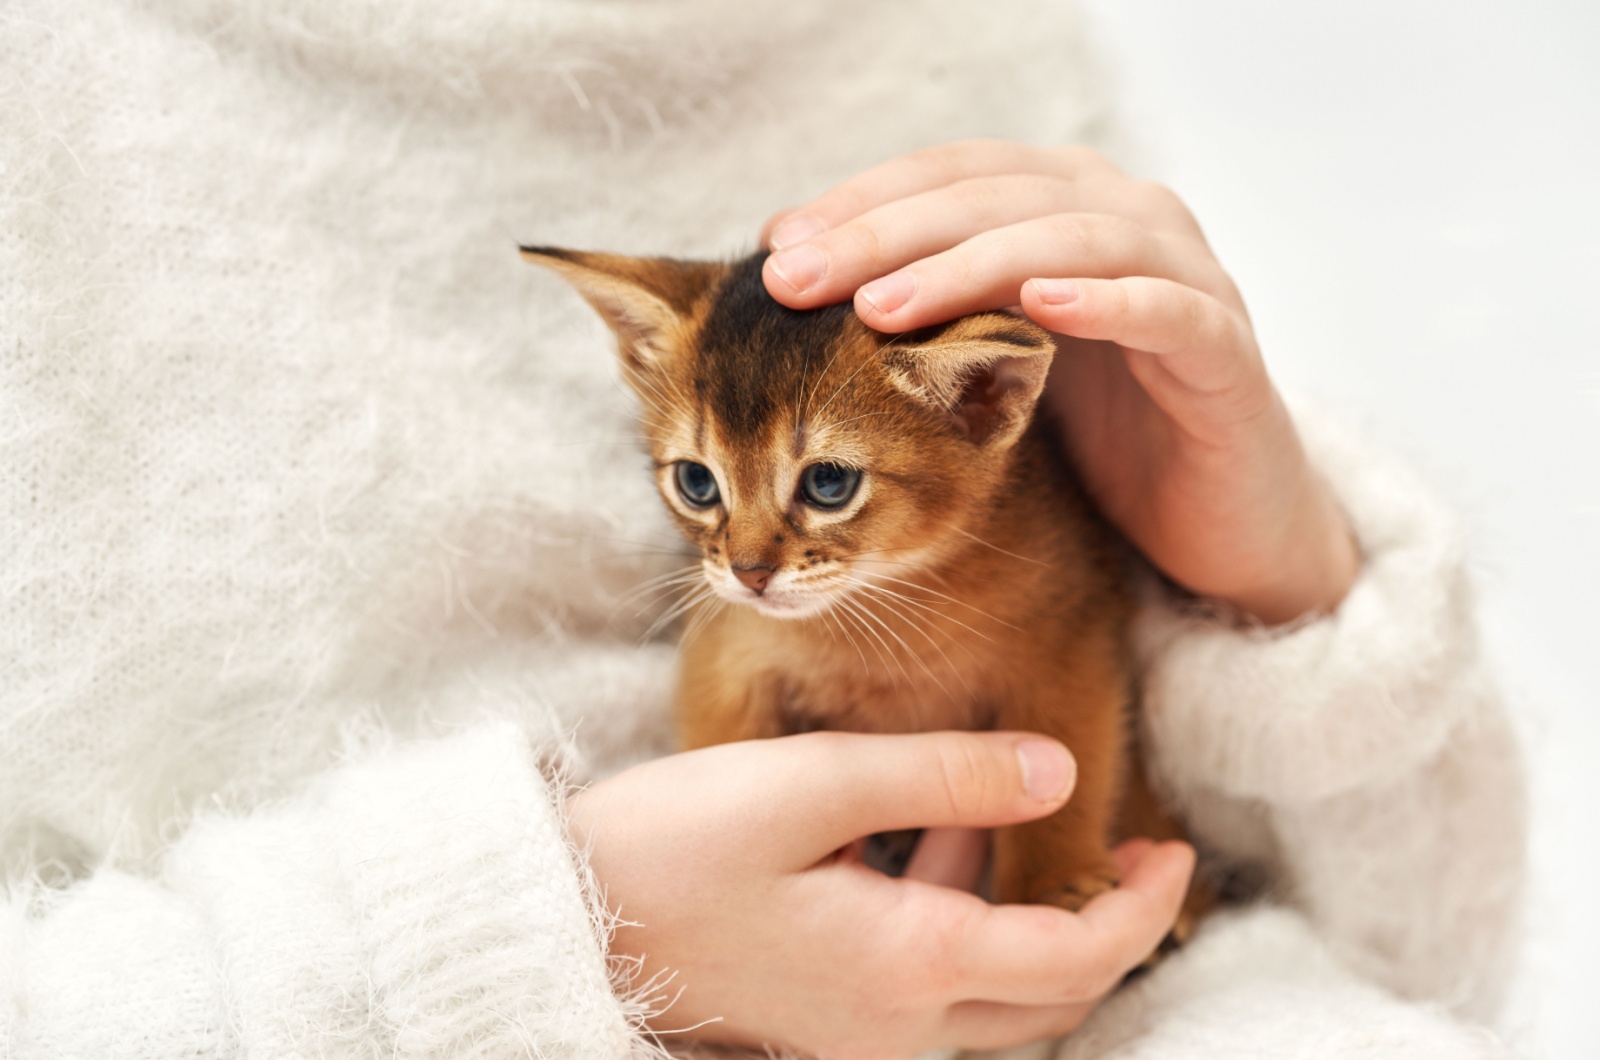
(889, 536)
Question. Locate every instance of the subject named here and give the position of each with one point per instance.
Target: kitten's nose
(754, 578)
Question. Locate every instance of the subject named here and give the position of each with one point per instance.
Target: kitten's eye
(697, 484)
(829, 485)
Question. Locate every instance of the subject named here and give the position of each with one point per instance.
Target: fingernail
(800, 267)
(1055, 292)
(1047, 769)
(890, 292)
(796, 229)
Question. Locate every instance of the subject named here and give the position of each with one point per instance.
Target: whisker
(690, 600)
(864, 416)
(997, 548)
(645, 595)
(911, 621)
(902, 642)
(848, 638)
(702, 619)
(944, 596)
(851, 609)
(928, 608)
(885, 593)
(805, 410)
(840, 389)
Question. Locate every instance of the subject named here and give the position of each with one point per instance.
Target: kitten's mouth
(781, 598)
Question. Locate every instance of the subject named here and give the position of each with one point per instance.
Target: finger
(851, 785)
(1039, 955)
(1129, 853)
(829, 267)
(950, 857)
(987, 271)
(990, 1025)
(1203, 347)
(920, 171)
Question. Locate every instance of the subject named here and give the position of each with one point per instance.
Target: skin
(735, 866)
(735, 863)
(1166, 404)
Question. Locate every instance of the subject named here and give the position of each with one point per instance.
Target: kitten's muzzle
(753, 578)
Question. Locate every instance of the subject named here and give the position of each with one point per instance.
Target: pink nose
(754, 578)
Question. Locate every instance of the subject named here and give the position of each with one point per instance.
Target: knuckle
(1082, 158)
(861, 240)
(939, 164)
(847, 201)
(1093, 975)
(983, 196)
(964, 780)
(1208, 321)
(1159, 199)
(1124, 300)
(1091, 235)
(1068, 229)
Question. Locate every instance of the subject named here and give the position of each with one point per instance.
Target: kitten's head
(804, 452)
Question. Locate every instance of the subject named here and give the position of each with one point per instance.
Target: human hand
(1163, 399)
(735, 869)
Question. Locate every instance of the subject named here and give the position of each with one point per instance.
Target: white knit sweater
(318, 512)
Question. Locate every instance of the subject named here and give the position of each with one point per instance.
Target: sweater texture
(320, 515)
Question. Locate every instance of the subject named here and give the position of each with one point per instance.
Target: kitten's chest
(865, 705)
(887, 684)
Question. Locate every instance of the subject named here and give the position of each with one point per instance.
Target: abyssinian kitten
(905, 547)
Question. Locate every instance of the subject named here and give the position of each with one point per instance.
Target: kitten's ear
(986, 371)
(647, 302)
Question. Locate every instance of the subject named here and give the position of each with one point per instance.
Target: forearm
(418, 901)
(1365, 755)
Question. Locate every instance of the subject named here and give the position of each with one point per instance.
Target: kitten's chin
(777, 602)
(790, 606)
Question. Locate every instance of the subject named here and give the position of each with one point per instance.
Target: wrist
(1313, 568)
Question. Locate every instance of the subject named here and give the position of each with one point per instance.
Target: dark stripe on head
(755, 354)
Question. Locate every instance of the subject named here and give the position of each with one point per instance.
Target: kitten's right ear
(647, 302)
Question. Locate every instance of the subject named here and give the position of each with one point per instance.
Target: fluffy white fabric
(319, 511)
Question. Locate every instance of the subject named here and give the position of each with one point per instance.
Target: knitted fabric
(319, 516)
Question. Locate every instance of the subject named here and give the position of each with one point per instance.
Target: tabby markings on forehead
(754, 354)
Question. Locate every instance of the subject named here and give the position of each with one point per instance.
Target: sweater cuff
(428, 895)
(1347, 700)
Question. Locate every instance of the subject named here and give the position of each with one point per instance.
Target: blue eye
(697, 484)
(829, 485)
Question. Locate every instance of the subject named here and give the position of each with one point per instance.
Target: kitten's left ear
(647, 302)
(985, 371)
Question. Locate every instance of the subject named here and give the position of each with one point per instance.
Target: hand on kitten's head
(1164, 399)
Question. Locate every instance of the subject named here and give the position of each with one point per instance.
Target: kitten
(906, 547)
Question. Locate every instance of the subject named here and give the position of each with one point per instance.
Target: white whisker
(848, 607)
(848, 638)
(888, 601)
(944, 596)
(925, 606)
(691, 599)
(867, 610)
(997, 548)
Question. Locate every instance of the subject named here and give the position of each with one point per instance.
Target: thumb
(856, 784)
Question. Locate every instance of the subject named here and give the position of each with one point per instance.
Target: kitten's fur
(966, 584)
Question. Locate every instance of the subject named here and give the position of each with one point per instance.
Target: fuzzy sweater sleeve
(422, 903)
(1364, 758)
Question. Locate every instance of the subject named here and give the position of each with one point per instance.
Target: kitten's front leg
(1079, 697)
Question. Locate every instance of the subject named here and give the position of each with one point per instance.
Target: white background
(1409, 195)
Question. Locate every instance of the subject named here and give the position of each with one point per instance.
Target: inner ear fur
(648, 303)
(985, 372)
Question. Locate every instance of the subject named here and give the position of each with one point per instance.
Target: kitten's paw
(1074, 893)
